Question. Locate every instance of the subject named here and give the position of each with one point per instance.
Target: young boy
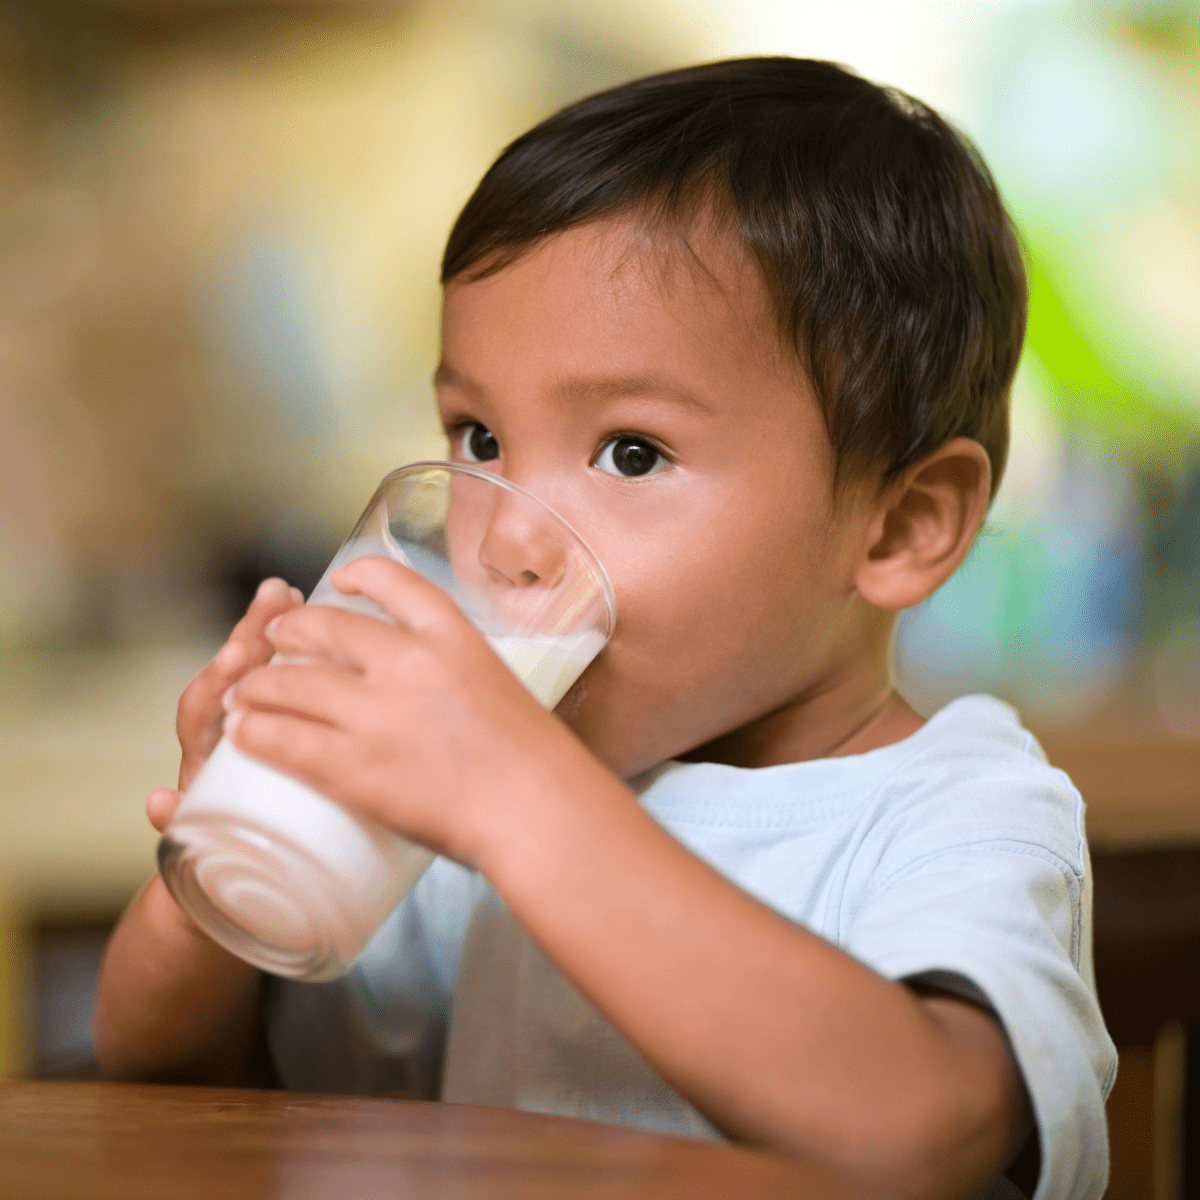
(750, 327)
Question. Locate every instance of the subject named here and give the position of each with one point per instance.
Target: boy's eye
(630, 456)
(479, 443)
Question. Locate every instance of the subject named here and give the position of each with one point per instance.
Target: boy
(750, 327)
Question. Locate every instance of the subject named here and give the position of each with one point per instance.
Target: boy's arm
(171, 1004)
(779, 1037)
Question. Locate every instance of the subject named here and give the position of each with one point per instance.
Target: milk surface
(547, 664)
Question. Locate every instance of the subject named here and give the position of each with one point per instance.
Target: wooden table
(101, 1141)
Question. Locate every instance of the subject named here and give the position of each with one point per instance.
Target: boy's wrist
(568, 806)
(167, 919)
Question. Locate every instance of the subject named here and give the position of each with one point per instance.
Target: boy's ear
(924, 525)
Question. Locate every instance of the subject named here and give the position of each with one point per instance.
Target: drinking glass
(289, 880)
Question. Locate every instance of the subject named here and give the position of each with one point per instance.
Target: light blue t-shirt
(956, 856)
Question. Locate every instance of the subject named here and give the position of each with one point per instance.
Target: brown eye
(630, 456)
(479, 443)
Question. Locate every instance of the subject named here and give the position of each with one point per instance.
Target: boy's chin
(623, 744)
(582, 711)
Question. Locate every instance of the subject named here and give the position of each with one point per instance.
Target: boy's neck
(834, 724)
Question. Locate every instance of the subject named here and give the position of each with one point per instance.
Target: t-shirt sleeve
(993, 888)
(381, 1027)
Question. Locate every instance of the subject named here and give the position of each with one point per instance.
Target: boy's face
(644, 394)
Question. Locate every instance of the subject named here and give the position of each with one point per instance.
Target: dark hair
(895, 271)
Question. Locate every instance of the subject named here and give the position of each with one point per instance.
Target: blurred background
(220, 224)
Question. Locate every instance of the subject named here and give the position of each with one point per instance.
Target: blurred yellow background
(220, 226)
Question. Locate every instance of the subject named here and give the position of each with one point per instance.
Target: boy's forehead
(698, 272)
(625, 322)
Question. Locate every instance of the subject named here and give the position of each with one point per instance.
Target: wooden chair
(1147, 940)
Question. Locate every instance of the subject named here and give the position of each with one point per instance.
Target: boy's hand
(200, 715)
(418, 725)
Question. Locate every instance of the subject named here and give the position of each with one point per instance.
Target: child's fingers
(333, 634)
(247, 645)
(198, 721)
(304, 749)
(272, 598)
(161, 805)
(400, 591)
(312, 690)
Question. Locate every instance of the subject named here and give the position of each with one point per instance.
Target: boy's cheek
(627, 727)
(589, 709)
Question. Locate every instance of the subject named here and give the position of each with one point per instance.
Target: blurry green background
(220, 225)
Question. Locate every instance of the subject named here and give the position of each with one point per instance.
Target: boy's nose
(521, 547)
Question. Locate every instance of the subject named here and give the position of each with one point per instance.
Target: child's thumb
(161, 805)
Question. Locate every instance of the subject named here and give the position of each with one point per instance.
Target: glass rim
(469, 469)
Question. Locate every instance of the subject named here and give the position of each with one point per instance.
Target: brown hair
(895, 271)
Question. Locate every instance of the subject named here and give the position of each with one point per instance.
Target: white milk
(304, 878)
(548, 664)
(291, 881)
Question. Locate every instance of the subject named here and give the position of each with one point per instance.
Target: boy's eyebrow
(606, 388)
(614, 387)
(451, 378)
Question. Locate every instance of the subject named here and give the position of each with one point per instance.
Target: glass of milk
(294, 883)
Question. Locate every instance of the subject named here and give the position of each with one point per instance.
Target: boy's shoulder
(980, 778)
(973, 761)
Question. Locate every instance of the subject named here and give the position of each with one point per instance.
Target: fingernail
(227, 701)
(297, 595)
(272, 624)
(269, 585)
(232, 721)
